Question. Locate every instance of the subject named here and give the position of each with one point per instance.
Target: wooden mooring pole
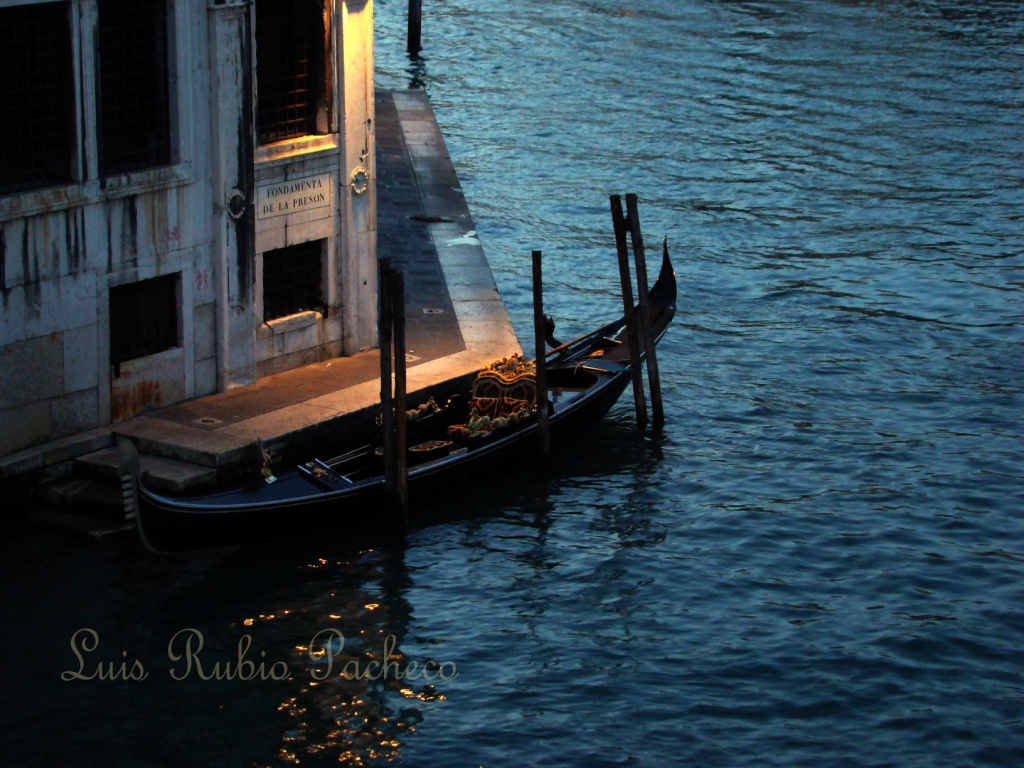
(650, 354)
(401, 495)
(391, 338)
(415, 27)
(619, 223)
(539, 332)
(387, 410)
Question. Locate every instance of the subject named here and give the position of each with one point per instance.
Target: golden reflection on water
(353, 695)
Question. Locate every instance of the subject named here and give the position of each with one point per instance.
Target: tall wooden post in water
(619, 223)
(415, 27)
(387, 410)
(391, 337)
(653, 376)
(539, 328)
(401, 491)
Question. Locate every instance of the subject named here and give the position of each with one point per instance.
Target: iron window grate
(143, 318)
(37, 124)
(292, 279)
(133, 85)
(290, 68)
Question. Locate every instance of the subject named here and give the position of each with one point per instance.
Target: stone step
(86, 496)
(168, 440)
(161, 474)
(55, 453)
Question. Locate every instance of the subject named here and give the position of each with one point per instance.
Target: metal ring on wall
(236, 204)
(360, 181)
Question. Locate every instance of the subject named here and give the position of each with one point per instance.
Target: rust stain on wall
(30, 274)
(129, 231)
(74, 239)
(130, 398)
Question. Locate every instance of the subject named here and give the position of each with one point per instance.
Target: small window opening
(291, 69)
(143, 318)
(37, 123)
(292, 280)
(133, 85)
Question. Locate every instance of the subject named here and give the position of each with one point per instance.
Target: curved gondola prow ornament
(129, 465)
(666, 275)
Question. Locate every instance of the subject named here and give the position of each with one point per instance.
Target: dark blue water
(821, 560)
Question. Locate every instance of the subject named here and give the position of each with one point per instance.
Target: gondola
(470, 436)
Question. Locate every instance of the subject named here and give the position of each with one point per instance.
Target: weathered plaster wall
(62, 250)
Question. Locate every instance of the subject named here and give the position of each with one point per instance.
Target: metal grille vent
(37, 126)
(292, 279)
(143, 318)
(133, 85)
(290, 68)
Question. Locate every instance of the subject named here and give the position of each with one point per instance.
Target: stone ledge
(181, 443)
(294, 322)
(56, 452)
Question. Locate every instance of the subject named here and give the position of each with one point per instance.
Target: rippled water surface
(820, 561)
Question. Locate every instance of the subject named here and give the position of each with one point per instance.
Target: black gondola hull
(289, 507)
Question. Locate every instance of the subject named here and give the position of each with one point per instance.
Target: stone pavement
(456, 323)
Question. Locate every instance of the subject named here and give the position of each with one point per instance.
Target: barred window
(134, 129)
(143, 318)
(37, 122)
(291, 69)
(292, 280)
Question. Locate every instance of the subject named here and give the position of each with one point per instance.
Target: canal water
(821, 559)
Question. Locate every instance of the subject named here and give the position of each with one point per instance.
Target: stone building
(187, 201)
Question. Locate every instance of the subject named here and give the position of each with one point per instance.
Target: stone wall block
(81, 353)
(31, 370)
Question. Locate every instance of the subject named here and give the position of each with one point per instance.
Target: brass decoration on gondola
(266, 458)
(504, 393)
